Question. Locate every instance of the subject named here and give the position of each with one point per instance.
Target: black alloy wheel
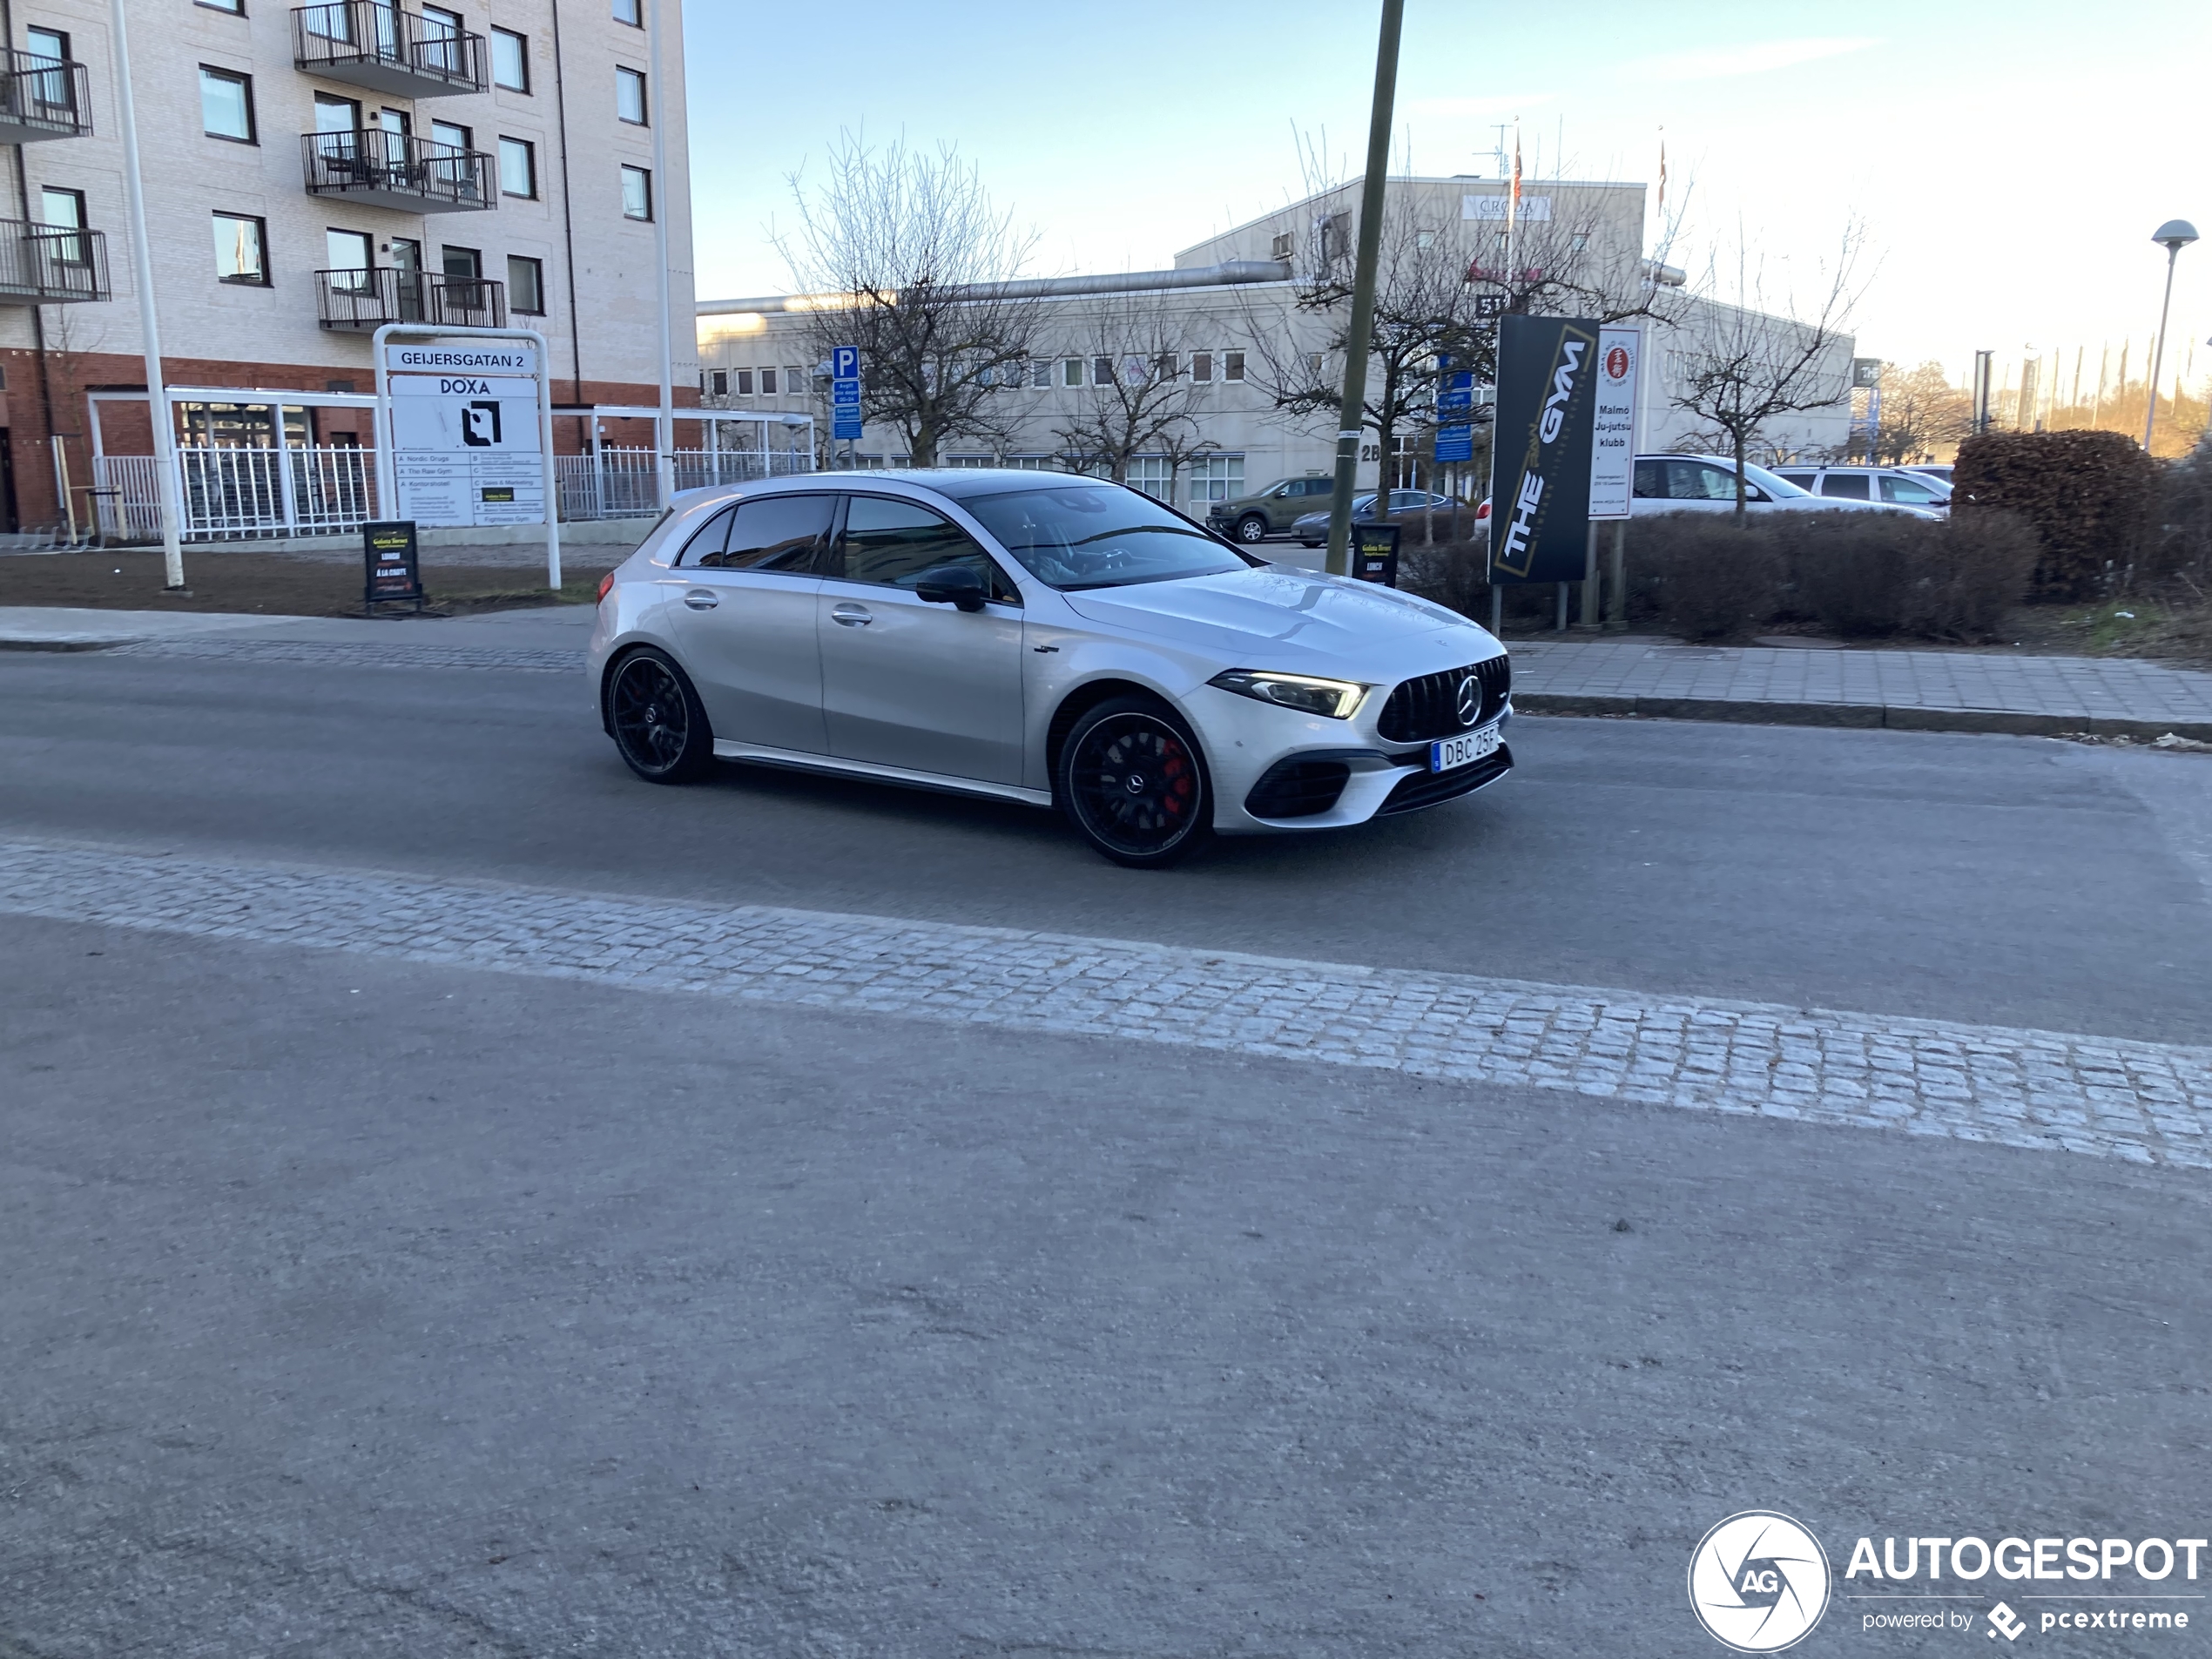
(1132, 779)
(1251, 528)
(656, 720)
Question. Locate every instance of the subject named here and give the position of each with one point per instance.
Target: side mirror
(951, 584)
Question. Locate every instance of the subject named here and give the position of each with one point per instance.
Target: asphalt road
(355, 1308)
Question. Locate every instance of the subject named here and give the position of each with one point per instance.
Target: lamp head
(2174, 235)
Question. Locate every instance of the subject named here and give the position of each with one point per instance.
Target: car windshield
(1099, 535)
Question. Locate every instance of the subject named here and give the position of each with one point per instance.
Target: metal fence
(240, 493)
(625, 484)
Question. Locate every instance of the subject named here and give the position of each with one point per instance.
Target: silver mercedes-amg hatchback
(1039, 637)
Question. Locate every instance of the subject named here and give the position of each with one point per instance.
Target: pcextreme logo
(1758, 1581)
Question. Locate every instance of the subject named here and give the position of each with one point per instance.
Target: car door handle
(701, 599)
(851, 616)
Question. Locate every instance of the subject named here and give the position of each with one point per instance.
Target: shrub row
(2091, 499)
(1859, 574)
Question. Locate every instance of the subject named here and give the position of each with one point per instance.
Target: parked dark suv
(1272, 511)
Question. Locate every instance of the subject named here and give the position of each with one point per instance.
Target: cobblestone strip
(345, 654)
(2146, 1101)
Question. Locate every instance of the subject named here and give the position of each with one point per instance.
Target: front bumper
(1270, 767)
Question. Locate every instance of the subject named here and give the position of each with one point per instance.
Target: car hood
(1279, 616)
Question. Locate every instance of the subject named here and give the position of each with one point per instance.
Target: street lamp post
(2174, 235)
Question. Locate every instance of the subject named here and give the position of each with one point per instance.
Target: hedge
(2090, 497)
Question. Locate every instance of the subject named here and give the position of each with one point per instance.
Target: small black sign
(388, 550)
(1375, 553)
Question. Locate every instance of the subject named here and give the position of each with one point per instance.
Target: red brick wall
(124, 429)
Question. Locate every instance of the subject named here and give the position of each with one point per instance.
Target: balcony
(44, 265)
(43, 98)
(401, 54)
(394, 169)
(357, 302)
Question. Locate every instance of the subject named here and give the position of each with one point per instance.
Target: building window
(1281, 248)
(53, 90)
(718, 383)
(630, 96)
(226, 104)
(441, 34)
(637, 193)
(236, 8)
(349, 253)
(794, 381)
(1102, 371)
(1071, 371)
(632, 12)
(63, 210)
(242, 251)
(1041, 373)
(1216, 478)
(744, 382)
(526, 285)
(767, 382)
(459, 137)
(1233, 368)
(1201, 367)
(510, 60)
(517, 167)
(1155, 475)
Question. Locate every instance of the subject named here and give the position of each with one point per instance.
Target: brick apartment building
(310, 174)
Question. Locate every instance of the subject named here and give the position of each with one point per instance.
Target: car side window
(1651, 480)
(1908, 491)
(891, 542)
(1803, 480)
(780, 533)
(705, 545)
(1697, 481)
(1845, 486)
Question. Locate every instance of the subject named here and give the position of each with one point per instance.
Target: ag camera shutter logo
(1758, 1581)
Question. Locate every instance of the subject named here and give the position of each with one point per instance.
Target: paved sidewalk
(400, 639)
(1927, 690)
(2146, 1103)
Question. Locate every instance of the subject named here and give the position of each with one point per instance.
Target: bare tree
(1142, 398)
(1750, 356)
(904, 256)
(1441, 283)
(1921, 410)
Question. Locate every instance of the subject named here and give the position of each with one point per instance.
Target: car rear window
(1844, 486)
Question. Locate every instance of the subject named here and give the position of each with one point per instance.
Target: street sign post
(844, 394)
(1613, 423)
(1454, 414)
(465, 430)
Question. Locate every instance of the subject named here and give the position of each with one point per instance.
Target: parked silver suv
(1899, 486)
(1054, 640)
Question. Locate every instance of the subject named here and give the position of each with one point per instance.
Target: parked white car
(1706, 484)
(1900, 486)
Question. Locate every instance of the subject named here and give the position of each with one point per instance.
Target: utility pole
(1350, 423)
(165, 437)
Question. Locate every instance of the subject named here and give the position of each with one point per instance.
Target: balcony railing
(44, 265)
(390, 169)
(358, 300)
(43, 98)
(403, 54)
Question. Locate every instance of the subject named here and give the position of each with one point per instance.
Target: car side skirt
(831, 765)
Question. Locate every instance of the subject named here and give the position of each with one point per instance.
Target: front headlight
(1338, 700)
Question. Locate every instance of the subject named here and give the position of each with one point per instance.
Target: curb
(67, 644)
(1865, 716)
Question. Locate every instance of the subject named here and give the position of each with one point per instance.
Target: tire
(1133, 781)
(656, 719)
(1251, 528)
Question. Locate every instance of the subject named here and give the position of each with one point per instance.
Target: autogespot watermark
(1760, 1582)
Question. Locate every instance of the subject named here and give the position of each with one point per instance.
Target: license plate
(1448, 754)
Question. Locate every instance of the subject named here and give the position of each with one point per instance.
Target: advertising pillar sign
(466, 445)
(1613, 424)
(1539, 469)
(844, 394)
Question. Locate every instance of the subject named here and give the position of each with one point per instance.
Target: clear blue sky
(2008, 160)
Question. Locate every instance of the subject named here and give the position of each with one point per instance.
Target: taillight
(606, 582)
(1482, 512)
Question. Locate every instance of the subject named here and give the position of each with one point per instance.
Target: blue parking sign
(844, 362)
